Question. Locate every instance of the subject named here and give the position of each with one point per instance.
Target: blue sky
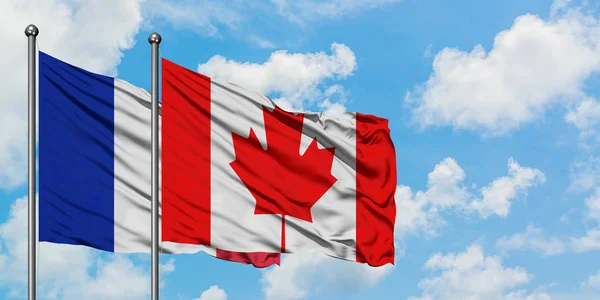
(493, 109)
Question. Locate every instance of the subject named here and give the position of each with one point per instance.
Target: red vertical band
(375, 188)
(186, 163)
(185, 155)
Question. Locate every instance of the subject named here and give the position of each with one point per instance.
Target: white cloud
(89, 277)
(334, 101)
(532, 239)
(592, 204)
(535, 295)
(332, 108)
(559, 6)
(585, 174)
(301, 273)
(261, 42)
(301, 11)
(296, 78)
(70, 31)
(532, 66)
(420, 211)
(213, 293)
(472, 275)
(117, 278)
(585, 117)
(415, 214)
(590, 242)
(444, 185)
(496, 197)
(593, 282)
(202, 16)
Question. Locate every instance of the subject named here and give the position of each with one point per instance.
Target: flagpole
(154, 39)
(31, 32)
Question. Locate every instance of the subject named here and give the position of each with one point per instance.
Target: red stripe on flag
(257, 259)
(185, 155)
(186, 164)
(375, 188)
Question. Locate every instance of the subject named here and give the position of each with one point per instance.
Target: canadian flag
(240, 174)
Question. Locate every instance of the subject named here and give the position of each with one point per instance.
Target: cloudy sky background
(493, 107)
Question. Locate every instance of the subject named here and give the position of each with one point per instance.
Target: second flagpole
(31, 32)
(154, 39)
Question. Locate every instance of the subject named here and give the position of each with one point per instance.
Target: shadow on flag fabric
(241, 174)
(94, 165)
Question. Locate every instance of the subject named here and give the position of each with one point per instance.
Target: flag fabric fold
(242, 175)
(94, 165)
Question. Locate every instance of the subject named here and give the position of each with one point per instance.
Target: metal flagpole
(154, 39)
(31, 32)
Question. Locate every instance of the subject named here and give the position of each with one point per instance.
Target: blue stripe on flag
(76, 155)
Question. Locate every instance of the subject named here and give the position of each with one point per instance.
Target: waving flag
(94, 165)
(243, 175)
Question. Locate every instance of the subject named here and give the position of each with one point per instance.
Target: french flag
(94, 165)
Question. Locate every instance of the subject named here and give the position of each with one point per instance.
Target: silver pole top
(154, 38)
(32, 30)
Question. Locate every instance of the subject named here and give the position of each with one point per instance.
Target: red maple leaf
(282, 180)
